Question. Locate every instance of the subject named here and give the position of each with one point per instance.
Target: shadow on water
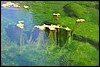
(83, 39)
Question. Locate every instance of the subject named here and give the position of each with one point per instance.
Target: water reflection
(10, 17)
(13, 33)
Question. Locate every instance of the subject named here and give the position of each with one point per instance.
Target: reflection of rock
(57, 34)
(32, 35)
(40, 38)
(16, 34)
(13, 33)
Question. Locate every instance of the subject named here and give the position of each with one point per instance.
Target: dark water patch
(84, 39)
